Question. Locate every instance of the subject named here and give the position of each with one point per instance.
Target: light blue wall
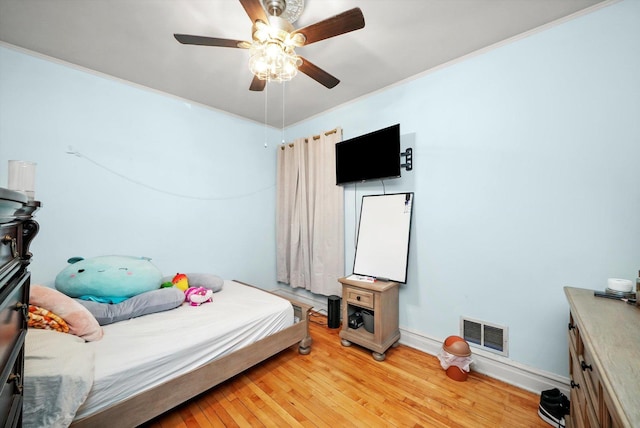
(192, 188)
(525, 177)
(525, 180)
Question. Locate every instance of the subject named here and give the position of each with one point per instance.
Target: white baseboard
(487, 363)
(495, 366)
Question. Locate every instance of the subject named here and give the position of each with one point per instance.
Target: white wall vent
(484, 335)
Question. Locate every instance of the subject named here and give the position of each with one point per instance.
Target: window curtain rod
(315, 137)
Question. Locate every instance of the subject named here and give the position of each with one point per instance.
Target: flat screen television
(372, 156)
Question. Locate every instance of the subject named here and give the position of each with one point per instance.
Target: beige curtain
(310, 215)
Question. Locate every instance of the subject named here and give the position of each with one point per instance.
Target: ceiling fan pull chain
(283, 83)
(266, 93)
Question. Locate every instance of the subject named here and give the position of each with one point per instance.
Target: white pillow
(206, 280)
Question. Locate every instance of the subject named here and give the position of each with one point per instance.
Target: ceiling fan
(274, 39)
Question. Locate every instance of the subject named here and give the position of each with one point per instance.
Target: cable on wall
(355, 215)
(71, 151)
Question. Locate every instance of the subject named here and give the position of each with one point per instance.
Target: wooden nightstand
(379, 298)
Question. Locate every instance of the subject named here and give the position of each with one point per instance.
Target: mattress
(138, 354)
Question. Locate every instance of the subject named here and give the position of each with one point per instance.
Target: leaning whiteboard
(382, 249)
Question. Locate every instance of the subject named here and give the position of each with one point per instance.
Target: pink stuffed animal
(198, 295)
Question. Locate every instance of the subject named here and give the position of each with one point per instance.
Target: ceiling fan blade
(187, 39)
(257, 84)
(317, 74)
(344, 22)
(255, 10)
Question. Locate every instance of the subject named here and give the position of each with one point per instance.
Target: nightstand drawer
(359, 297)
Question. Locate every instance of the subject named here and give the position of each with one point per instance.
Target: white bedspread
(138, 354)
(58, 371)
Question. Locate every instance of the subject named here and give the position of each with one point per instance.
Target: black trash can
(333, 309)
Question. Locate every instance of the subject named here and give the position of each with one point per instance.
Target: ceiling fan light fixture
(298, 40)
(274, 39)
(261, 32)
(272, 61)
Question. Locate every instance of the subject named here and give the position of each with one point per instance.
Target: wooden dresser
(604, 361)
(17, 229)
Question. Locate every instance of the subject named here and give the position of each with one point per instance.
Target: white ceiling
(133, 40)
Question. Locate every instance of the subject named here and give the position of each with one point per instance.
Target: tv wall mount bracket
(408, 161)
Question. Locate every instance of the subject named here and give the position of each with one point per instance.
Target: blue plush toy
(108, 279)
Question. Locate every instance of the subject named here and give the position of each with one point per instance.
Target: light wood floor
(335, 386)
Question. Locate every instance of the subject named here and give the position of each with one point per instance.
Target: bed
(147, 365)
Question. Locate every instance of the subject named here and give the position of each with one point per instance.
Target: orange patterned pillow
(46, 320)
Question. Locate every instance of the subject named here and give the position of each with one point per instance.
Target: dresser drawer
(578, 393)
(609, 418)
(13, 327)
(13, 324)
(591, 377)
(8, 276)
(583, 413)
(10, 245)
(359, 297)
(574, 335)
(11, 401)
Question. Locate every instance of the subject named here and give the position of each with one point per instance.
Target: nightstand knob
(358, 298)
(575, 385)
(571, 326)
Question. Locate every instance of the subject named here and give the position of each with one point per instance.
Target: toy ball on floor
(455, 358)
(457, 346)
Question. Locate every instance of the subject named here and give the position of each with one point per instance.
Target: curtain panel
(310, 215)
